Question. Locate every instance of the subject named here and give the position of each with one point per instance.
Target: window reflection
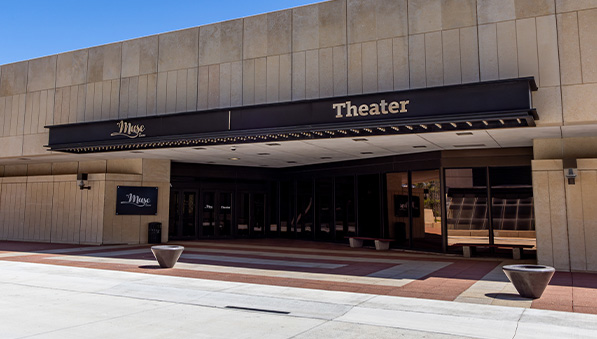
(466, 206)
(325, 215)
(421, 205)
(345, 208)
(304, 213)
(397, 198)
(511, 198)
(426, 210)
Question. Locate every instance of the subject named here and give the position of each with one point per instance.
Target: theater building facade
(431, 123)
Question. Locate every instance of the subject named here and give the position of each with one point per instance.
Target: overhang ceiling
(307, 152)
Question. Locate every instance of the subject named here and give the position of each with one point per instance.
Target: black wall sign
(484, 99)
(134, 200)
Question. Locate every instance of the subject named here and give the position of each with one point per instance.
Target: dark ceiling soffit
(448, 108)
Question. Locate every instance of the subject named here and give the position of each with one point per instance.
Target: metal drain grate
(257, 309)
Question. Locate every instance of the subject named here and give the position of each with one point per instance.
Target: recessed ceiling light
(262, 153)
(325, 158)
(211, 162)
(366, 152)
(464, 133)
(234, 159)
(199, 148)
(273, 144)
(24, 159)
(136, 151)
(420, 146)
(359, 139)
(291, 162)
(471, 145)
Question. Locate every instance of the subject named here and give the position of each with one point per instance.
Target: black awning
(485, 105)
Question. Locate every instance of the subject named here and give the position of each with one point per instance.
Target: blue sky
(36, 28)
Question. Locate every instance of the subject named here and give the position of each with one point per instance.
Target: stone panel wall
(51, 209)
(565, 215)
(327, 49)
(36, 205)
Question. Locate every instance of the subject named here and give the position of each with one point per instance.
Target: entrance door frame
(179, 226)
(217, 206)
(251, 217)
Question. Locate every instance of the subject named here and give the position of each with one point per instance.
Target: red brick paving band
(571, 292)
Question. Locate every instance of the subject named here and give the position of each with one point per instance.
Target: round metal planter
(529, 280)
(167, 255)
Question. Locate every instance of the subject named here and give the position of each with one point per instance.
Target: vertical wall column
(584, 224)
(551, 222)
(132, 229)
(565, 214)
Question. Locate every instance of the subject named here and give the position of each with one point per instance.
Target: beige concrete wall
(568, 149)
(132, 229)
(52, 208)
(566, 219)
(327, 49)
(120, 229)
(577, 24)
(550, 214)
(585, 230)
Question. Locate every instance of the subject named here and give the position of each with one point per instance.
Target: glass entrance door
(345, 222)
(414, 209)
(216, 215)
(287, 207)
(183, 214)
(324, 210)
(398, 211)
(258, 213)
(426, 210)
(466, 206)
(251, 214)
(304, 212)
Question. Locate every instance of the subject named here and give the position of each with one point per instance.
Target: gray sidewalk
(49, 301)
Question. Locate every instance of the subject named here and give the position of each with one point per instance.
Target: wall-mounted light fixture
(571, 174)
(82, 180)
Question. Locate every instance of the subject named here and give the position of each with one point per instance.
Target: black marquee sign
(501, 100)
(135, 200)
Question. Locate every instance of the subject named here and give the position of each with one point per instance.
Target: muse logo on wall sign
(134, 200)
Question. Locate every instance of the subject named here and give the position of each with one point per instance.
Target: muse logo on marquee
(129, 130)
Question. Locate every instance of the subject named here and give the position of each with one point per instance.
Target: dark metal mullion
(333, 225)
(295, 208)
(251, 221)
(489, 209)
(410, 212)
(444, 212)
(381, 209)
(198, 215)
(314, 218)
(180, 213)
(355, 200)
(279, 207)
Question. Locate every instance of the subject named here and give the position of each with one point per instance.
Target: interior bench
(380, 243)
(469, 248)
